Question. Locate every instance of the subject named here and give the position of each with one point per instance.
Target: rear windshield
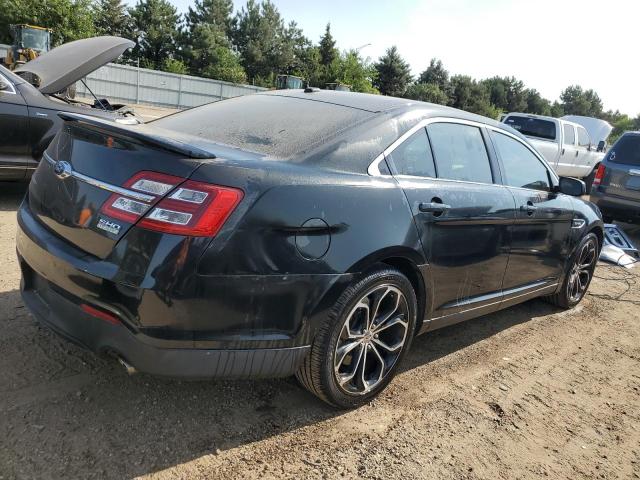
(532, 127)
(626, 150)
(268, 124)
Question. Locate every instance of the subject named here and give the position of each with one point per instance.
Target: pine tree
(111, 18)
(212, 12)
(394, 73)
(156, 25)
(328, 51)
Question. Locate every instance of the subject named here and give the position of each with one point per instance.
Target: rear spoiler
(144, 133)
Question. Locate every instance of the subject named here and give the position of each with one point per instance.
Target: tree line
(256, 44)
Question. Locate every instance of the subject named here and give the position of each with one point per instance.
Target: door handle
(577, 153)
(40, 114)
(562, 153)
(433, 207)
(530, 208)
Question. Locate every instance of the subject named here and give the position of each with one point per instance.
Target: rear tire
(579, 273)
(367, 334)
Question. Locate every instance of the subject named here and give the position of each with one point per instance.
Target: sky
(548, 44)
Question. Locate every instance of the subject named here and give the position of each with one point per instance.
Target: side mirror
(572, 186)
(601, 145)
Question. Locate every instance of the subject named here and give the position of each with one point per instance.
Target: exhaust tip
(128, 367)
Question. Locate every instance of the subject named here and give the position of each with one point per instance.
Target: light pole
(362, 46)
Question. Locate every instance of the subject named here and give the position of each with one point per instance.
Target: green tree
(211, 12)
(472, 96)
(172, 65)
(507, 93)
(351, 69)
(69, 19)
(576, 101)
(427, 92)
(209, 54)
(537, 104)
(436, 74)
(111, 18)
(328, 51)
(394, 73)
(155, 25)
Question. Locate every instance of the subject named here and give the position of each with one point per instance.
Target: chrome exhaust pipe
(129, 368)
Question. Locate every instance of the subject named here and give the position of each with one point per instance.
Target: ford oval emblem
(62, 169)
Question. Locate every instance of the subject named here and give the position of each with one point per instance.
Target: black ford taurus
(308, 232)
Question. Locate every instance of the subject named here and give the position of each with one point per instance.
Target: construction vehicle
(28, 43)
(287, 82)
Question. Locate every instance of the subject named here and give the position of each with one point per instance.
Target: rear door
(14, 131)
(462, 216)
(541, 234)
(568, 152)
(622, 174)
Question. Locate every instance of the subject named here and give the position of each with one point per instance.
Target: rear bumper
(239, 326)
(617, 207)
(68, 320)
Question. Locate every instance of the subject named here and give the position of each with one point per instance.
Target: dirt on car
(529, 392)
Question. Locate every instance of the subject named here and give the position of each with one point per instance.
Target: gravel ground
(529, 392)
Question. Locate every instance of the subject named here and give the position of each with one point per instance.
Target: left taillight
(194, 209)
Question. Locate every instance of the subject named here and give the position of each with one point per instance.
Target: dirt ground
(529, 392)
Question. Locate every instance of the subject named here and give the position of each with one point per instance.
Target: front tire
(579, 273)
(357, 351)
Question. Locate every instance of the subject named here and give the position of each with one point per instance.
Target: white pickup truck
(565, 145)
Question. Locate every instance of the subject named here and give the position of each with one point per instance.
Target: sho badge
(108, 226)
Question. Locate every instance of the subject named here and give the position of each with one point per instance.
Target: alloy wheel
(581, 271)
(371, 340)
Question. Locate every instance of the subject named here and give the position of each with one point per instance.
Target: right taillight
(194, 209)
(597, 180)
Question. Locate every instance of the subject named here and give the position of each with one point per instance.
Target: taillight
(153, 184)
(597, 180)
(194, 208)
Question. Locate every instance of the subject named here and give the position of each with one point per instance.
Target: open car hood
(68, 63)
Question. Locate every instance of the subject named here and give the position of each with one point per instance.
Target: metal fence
(126, 84)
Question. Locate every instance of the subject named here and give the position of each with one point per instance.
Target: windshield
(36, 39)
(532, 127)
(626, 150)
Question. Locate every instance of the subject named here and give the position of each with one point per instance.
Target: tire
(588, 180)
(345, 339)
(579, 273)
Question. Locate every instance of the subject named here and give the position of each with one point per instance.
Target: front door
(540, 239)
(14, 132)
(463, 218)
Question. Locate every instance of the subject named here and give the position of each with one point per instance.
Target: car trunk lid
(88, 166)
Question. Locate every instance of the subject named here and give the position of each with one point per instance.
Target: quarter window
(460, 152)
(413, 156)
(521, 167)
(569, 135)
(583, 137)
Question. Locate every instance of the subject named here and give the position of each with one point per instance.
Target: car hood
(68, 63)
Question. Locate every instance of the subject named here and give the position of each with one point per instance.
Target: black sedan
(28, 109)
(308, 232)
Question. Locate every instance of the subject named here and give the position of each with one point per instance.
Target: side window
(569, 135)
(413, 156)
(460, 152)
(583, 137)
(521, 167)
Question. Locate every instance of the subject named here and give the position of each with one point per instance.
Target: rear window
(532, 127)
(626, 150)
(267, 124)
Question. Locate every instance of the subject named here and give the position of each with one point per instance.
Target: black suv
(616, 186)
